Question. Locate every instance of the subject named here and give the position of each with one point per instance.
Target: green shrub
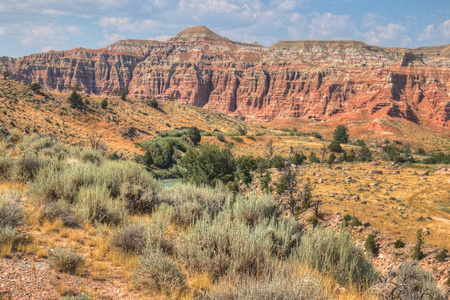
(251, 208)
(280, 287)
(153, 103)
(95, 204)
(399, 244)
(370, 245)
(75, 99)
(412, 282)
(194, 135)
(77, 297)
(113, 174)
(43, 146)
(208, 165)
(36, 86)
(59, 210)
(157, 272)
(245, 165)
(442, 255)
(335, 254)
(298, 158)
(104, 103)
(137, 199)
(417, 251)
(65, 260)
(157, 238)
(132, 238)
(227, 246)
(91, 155)
(10, 212)
(313, 158)
(54, 183)
(6, 166)
(221, 137)
(7, 236)
(335, 146)
(26, 167)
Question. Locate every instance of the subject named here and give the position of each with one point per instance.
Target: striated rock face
(306, 79)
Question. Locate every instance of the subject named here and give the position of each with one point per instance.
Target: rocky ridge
(316, 80)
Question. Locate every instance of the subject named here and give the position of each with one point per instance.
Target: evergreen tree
(365, 154)
(104, 103)
(341, 134)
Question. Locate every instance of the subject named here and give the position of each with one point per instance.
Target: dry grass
(393, 205)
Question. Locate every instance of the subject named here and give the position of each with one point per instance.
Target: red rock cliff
(305, 79)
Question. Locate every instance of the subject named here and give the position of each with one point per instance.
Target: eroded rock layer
(304, 79)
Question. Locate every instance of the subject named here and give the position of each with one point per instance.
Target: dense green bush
(65, 260)
(298, 158)
(335, 254)
(335, 146)
(437, 158)
(208, 165)
(194, 135)
(245, 165)
(399, 244)
(160, 155)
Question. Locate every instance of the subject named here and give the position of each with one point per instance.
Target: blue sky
(30, 26)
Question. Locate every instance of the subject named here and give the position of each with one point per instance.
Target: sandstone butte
(312, 80)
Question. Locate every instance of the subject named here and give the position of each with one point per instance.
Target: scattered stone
(375, 172)
(363, 202)
(426, 173)
(426, 231)
(355, 198)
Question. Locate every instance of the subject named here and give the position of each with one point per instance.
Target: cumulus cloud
(440, 32)
(29, 35)
(110, 38)
(286, 5)
(331, 26)
(388, 35)
(127, 24)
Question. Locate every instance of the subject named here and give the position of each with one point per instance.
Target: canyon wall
(316, 80)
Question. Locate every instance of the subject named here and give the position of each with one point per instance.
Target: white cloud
(438, 34)
(388, 35)
(2, 31)
(161, 38)
(32, 34)
(127, 24)
(286, 5)
(370, 20)
(331, 26)
(110, 38)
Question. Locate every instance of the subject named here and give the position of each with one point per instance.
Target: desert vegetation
(202, 238)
